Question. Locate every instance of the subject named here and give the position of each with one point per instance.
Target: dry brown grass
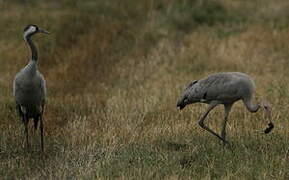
(114, 75)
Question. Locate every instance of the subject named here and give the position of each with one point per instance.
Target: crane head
(189, 96)
(32, 29)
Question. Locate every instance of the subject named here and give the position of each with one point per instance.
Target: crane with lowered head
(223, 88)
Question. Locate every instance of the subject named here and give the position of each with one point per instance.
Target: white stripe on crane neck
(30, 30)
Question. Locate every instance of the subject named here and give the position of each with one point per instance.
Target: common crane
(223, 88)
(29, 88)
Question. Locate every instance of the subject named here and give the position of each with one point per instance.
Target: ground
(114, 72)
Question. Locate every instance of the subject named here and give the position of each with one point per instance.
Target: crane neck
(31, 67)
(34, 53)
(250, 106)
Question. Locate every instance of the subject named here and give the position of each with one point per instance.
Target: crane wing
(220, 87)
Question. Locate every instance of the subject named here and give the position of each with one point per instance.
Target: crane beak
(180, 106)
(43, 31)
(182, 102)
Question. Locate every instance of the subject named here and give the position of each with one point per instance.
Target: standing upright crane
(29, 88)
(226, 89)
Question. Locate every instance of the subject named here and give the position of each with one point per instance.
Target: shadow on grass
(173, 146)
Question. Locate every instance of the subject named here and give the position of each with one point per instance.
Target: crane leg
(227, 111)
(25, 120)
(203, 117)
(41, 133)
(36, 120)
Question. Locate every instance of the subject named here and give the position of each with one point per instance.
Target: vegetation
(114, 72)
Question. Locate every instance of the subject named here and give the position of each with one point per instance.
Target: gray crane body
(29, 89)
(226, 88)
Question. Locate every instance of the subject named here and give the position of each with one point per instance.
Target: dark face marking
(183, 102)
(28, 26)
(181, 106)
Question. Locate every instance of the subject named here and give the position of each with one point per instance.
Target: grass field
(114, 71)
